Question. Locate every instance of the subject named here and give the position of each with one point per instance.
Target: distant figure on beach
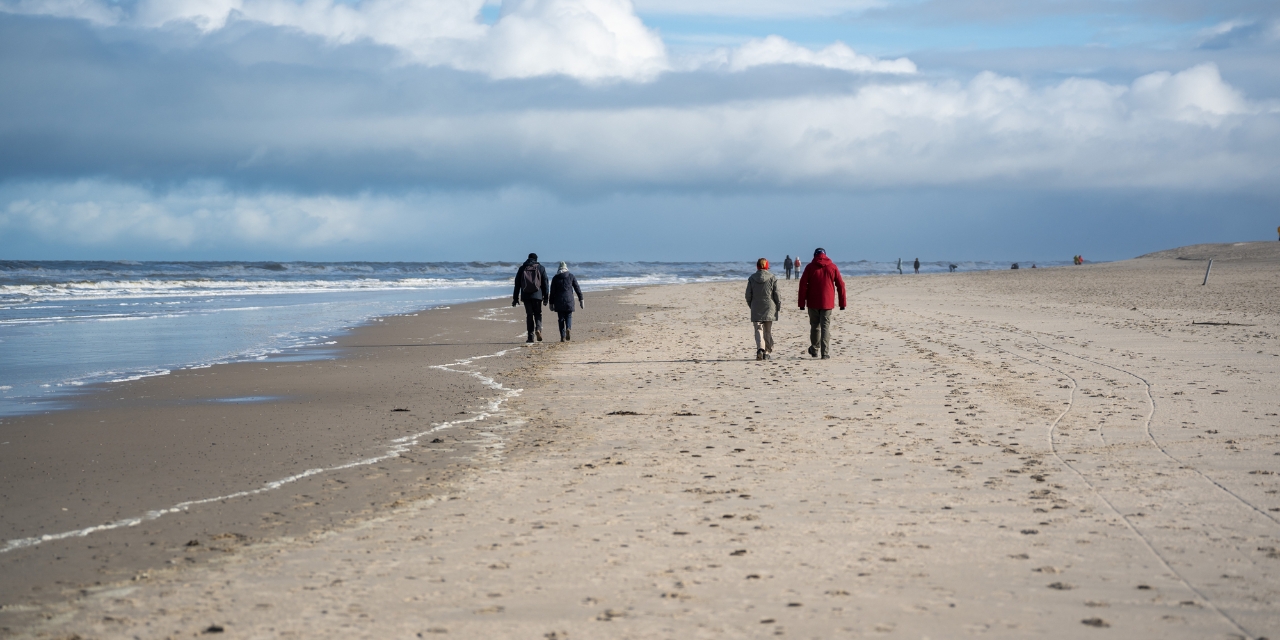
(951, 268)
(1015, 266)
(917, 265)
(563, 288)
(762, 297)
(899, 266)
(533, 290)
(796, 265)
(818, 286)
(1078, 260)
(787, 264)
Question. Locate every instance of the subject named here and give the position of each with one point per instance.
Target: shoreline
(312, 343)
(143, 495)
(1055, 453)
(54, 386)
(68, 391)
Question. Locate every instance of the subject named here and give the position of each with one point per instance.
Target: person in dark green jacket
(762, 297)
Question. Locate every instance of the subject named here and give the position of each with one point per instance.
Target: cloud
(1238, 33)
(209, 220)
(310, 126)
(775, 50)
(213, 219)
(1102, 11)
(586, 39)
(1196, 95)
(1185, 131)
(191, 116)
(96, 212)
(133, 112)
(589, 39)
(756, 8)
(94, 11)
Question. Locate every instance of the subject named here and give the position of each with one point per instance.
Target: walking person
(787, 264)
(917, 265)
(818, 286)
(762, 297)
(563, 288)
(533, 290)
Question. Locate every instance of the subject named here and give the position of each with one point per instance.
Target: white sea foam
(138, 376)
(399, 446)
(92, 290)
(492, 314)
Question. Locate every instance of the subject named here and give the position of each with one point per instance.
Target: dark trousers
(532, 315)
(564, 319)
(820, 330)
(788, 273)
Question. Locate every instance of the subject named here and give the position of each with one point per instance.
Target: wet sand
(133, 448)
(1073, 452)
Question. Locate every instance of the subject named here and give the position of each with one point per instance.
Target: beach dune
(1072, 452)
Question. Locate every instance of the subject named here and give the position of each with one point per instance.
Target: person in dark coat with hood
(533, 290)
(818, 286)
(788, 265)
(563, 287)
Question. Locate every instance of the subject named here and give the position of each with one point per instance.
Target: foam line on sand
(398, 447)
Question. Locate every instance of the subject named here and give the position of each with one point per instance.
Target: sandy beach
(1075, 452)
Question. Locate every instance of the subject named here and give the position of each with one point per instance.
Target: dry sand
(1051, 452)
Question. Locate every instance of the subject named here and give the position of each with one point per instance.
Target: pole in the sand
(1206, 272)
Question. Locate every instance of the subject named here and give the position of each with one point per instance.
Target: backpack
(530, 279)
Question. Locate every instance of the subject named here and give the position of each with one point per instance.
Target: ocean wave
(65, 326)
(106, 289)
(24, 282)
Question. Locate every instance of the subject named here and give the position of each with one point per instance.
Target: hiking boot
(766, 356)
(530, 339)
(539, 334)
(813, 351)
(826, 357)
(759, 354)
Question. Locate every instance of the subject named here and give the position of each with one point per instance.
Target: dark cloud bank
(210, 136)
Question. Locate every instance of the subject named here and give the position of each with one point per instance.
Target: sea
(67, 327)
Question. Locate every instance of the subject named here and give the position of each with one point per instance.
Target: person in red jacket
(818, 286)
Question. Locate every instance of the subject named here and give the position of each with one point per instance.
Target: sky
(635, 130)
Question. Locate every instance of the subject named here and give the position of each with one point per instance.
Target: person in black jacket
(533, 290)
(563, 288)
